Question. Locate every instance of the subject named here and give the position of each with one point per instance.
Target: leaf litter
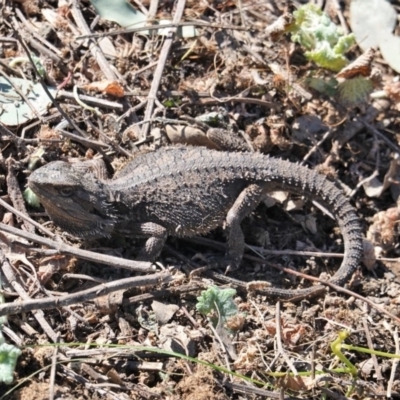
(240, 72)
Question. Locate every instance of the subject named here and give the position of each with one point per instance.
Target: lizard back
(190, 190)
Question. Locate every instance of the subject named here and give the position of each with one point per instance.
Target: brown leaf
(383, 231)
(51, 265)
(12, 250)
(246, 358)
(279, 27)
(111, 88)
(360, 66)
(114, 377)
(236, 322)
(393, 90)
(295, 383)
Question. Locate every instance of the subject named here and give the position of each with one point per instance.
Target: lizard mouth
(77, 220)
(83, 215)
(81, 223)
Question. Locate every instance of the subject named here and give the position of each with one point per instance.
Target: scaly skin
(186, 191)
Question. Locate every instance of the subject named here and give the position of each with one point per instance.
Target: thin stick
(371, 347)
(26, 218)
(53, 368)
(394, 365)
(94, 48)
(43, 83)
(12, 281)
(160, 68)
(117, 262)
(163, 26)
(279, 339)
(85, 295)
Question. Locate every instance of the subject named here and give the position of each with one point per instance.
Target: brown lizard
(186, 191)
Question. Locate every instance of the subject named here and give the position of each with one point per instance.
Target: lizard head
(74, 199)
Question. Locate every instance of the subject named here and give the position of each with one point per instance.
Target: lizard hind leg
(245, 203)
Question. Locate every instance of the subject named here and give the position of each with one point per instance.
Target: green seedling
(324, 42)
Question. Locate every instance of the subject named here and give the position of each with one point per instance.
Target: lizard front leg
(246, 202)
(156, 234)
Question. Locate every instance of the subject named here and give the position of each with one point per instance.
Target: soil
(144, 91)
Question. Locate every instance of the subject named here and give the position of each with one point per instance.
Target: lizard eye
(65, 192)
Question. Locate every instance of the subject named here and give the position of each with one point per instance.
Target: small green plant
(8, 360)
(8, 354)
(217, 303)
(355, 90)
(324, 42)
(172, 102)
(336, 347)
(31, 198)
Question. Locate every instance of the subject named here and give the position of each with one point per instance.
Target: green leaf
(217, 300)
(8, 360)
(324, 42)
(8, 353)
(328, 88)
(31, 198)
(35, 157)
(354, 91)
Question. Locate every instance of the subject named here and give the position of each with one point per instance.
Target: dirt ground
(142, 90)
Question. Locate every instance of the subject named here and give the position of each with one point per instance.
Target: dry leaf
(279, 27)
(179, 134)
(111, 88)
(369, 255)
(361, 66)
(374, 187)
(292, 333)
(12, 250)
(293, 205)
(236, 322)
(107, 47)
(163, 312)
(246, 358)
(114, 377)
(176, 338)
(51, 265)
(383, 231)
(260, 137)
(393, 90)
(295, 383)
(366, 367)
